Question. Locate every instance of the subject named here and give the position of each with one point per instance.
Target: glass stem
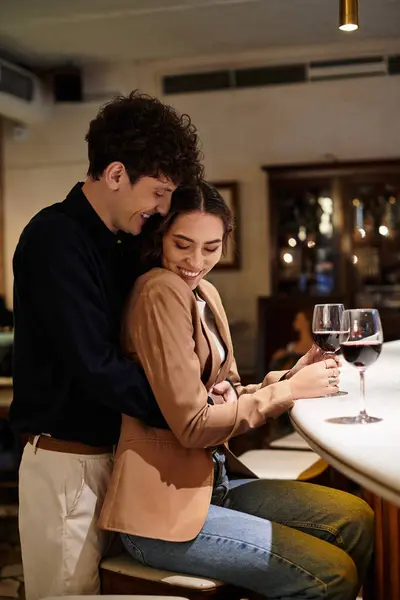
(363, 411)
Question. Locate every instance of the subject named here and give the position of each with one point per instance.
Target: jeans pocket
(74, 486)
(132, 548)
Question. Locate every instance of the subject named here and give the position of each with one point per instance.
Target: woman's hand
(314, 355)
(318, 379)
(223, 393)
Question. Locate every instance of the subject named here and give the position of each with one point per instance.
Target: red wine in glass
(328, 341)
(326, 328)
(361, 354)
(361, 344)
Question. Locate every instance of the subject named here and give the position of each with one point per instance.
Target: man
(73, 265)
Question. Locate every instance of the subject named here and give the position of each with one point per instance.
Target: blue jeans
(281, 539)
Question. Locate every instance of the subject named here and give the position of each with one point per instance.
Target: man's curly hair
(148, 137)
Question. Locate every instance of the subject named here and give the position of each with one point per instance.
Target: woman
(180, 499)
(284, 358)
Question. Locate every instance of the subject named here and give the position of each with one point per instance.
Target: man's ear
(113, 175)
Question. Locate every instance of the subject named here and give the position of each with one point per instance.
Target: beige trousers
(60, 497)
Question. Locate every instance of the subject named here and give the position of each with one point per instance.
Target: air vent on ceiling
(15, 83)
(281, 74)
(270, 75)
(197, 82)
(241, 78)
(394, 65)
(22, 96)
(348, 68)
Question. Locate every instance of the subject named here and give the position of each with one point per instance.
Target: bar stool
(292, 441)
(295, 465)
(121, 574)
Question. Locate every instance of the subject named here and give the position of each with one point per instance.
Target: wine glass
(361, 344)
(326, 326)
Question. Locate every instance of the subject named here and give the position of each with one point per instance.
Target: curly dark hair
(200, 198)
(148, 137)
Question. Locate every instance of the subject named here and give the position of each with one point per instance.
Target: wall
(240, 131)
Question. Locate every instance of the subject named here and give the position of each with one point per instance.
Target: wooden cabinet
(335, 229)
(334, 237)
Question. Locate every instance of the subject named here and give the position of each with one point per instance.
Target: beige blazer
(162, 480)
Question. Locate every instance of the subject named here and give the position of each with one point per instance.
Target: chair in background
(295, 465)
(292, 441)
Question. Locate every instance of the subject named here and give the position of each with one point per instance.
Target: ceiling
(43, 32)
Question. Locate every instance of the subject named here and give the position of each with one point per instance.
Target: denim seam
(135, 547)
(306, 525)
(270, 553)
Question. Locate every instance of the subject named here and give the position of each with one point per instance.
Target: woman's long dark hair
(201, 198)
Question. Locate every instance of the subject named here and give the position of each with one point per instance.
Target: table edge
(373, 485)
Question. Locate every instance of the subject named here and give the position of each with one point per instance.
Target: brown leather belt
(48, 443)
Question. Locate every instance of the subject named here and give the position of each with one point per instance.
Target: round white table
(367, 454)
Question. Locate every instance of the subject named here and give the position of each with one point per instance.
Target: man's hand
(223, 393)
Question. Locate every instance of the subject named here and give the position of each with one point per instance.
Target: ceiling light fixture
(348, 15)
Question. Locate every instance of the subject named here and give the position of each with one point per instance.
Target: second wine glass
(361, 343)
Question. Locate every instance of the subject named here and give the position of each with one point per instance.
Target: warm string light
(348, 15)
